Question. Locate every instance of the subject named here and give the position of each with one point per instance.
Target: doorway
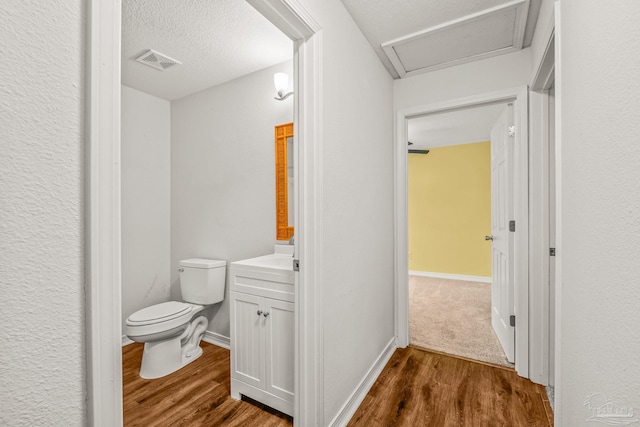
(519, 98)
(453, 189)
(104, 357)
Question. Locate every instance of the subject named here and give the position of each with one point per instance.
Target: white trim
(522, 11)
(544, 69)
(521, 236)
(539, 303)
(309, 400)
(539, 238)
(480, 279)
(289, 17)
(401, 246)
(292, 19)
(519, 97)
(217, 339)
(103, 290)
(351, 405)
(558, 385)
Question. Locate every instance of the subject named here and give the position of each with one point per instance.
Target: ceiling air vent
(157, 60)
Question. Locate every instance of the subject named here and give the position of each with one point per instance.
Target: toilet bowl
(171, 331)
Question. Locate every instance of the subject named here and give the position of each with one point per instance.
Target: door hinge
(552, 251)
(512, 226)
(512, 320)
(512, 130)
(296, 265)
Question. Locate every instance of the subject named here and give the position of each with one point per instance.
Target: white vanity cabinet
(262, 334)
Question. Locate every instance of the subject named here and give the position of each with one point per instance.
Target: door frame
(540, 314)
(102, 216)
(519, 97)
(301, 27)
(103, 223)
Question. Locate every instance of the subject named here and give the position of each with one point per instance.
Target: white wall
(146, 182)
(598, 294)
(358, 204)
(491, 74)
(223, 175)
(42, 350)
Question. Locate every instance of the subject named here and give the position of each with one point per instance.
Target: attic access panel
(487, 33)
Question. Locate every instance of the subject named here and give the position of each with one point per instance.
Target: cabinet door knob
(259, 312)
(266, 313)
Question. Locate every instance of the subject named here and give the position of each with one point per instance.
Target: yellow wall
(450, 210)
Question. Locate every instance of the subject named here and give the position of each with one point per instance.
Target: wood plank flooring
(416, 388)
(196, 395)
(422, 388)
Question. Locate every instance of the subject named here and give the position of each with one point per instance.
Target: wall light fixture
(281, 82)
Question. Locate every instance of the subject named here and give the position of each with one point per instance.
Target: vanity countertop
(281, 260)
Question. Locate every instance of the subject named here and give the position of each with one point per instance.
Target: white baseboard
(217, 339)
(351, 405)
(482, 279)
(210, 337)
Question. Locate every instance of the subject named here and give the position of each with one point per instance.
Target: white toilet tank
(202, 280)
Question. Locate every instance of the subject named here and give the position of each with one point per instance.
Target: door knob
(259, 312)
(488, 237)
(266, 314)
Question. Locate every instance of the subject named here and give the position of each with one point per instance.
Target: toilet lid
(159, 313)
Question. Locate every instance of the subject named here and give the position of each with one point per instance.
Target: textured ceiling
(220, 40)
(215, 40)
(454, 127)
(382, 21)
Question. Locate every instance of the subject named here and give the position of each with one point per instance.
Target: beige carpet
(454, 317)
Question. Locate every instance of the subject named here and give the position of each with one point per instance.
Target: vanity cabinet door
(247, 339)
(279, 348)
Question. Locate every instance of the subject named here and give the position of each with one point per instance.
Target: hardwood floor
(421, 388)
(416, 388)
(196, 395)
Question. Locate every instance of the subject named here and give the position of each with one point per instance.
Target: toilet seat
(167, 318)
(162, 312)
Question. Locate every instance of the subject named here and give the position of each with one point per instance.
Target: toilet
(172, 331)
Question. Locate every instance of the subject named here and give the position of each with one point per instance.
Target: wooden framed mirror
(284, 181)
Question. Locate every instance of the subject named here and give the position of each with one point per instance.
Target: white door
(279, 358)
(502, 306)
(247, 339)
